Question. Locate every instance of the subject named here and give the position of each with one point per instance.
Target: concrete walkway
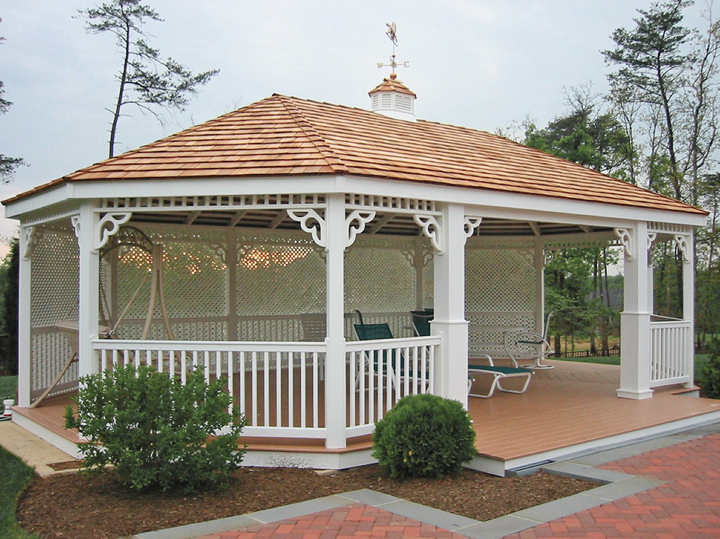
(665, 488)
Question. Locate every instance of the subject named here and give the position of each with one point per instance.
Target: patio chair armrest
(485, 356)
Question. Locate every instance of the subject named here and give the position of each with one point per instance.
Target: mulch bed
(84, 507)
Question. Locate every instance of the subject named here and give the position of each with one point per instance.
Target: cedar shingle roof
(290, 136)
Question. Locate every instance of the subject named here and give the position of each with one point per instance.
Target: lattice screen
(54, 297)
(499, 291)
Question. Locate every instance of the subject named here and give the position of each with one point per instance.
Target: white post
(539, 286)
(635, 318)
(419, 265)
(231, 260)
(335, 378)
(24, 322)
(449, 321)
(86, 230)
(689, 305)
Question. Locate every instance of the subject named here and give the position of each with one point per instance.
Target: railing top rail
(674, 323)
(381, 344)
(212, 346)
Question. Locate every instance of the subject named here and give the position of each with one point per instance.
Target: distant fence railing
(612, 352)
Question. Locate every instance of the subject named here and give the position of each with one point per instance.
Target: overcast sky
(474, 63)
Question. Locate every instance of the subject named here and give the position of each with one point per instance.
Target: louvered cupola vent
(392, 98)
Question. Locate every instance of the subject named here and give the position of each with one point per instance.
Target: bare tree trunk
(121, 93)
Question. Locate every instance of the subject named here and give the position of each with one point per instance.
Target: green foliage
(15, 477)
(424, 436)
(9, 282)
(7, 164)
(145, 79)
(709, 375)
(155, 431)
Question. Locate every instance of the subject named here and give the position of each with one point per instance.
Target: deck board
(572, 404)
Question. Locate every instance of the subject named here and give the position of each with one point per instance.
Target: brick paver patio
(687, 505)
(356, 520)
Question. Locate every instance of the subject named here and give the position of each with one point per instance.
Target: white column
(86, 230)
(419, 265)
(689, 305)
(335, 378)
(539, 285)
(635, 318)
(231, 261)
(449, 321)
(24, 320)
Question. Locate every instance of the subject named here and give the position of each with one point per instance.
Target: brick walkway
(356, 520)
(687, 505)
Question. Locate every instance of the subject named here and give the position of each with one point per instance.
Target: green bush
(424, 436)
(156, 432)
(710, 372)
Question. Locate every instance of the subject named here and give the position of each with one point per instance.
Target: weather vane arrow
(392, 34)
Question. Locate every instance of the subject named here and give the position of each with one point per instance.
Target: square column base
(636, 395)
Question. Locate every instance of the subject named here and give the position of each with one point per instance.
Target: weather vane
(392, 34)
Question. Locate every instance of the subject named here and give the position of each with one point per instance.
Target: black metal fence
(612, 352)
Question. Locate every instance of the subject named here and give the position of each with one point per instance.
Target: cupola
(392, 98)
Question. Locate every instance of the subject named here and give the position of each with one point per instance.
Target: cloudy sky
(474, 63)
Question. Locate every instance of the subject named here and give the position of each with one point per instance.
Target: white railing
(670, 352)
(275, 384)
(381, 372)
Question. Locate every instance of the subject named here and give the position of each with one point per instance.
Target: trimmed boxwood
(424, 436)
(155, 431)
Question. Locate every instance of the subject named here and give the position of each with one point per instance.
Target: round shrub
(424, 436)
(709, 375)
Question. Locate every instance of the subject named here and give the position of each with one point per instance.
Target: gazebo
(247, 245)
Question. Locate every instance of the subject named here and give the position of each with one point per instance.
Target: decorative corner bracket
(311, 222)
(470, 225)
(431, 228)
(108, 226)
(549, 256)
(651, 237)
(361, 218)
(626, 240)
(528, 256)
(682, 243)
(30, 236)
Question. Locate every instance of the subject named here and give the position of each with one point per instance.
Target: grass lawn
(613, 360)
(8, 386)
(15, 475)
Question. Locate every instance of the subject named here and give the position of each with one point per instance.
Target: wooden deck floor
(570, 405)
(563, 408)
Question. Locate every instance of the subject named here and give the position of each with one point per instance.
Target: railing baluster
(303, 391)
(278, 389)
(316, 390)
(351, 389)
(266, 386)
(254, 401)
(291, 389)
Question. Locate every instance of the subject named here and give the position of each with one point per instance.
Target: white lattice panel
(499, 280)
(279, 279)
(55, 274)
(378, 280)
(54, 297)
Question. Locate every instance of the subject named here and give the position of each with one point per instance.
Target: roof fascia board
(39, 201)
(525, 207)
(84, 190)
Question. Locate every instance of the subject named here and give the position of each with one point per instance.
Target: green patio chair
(499, 374)
(379, 362)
